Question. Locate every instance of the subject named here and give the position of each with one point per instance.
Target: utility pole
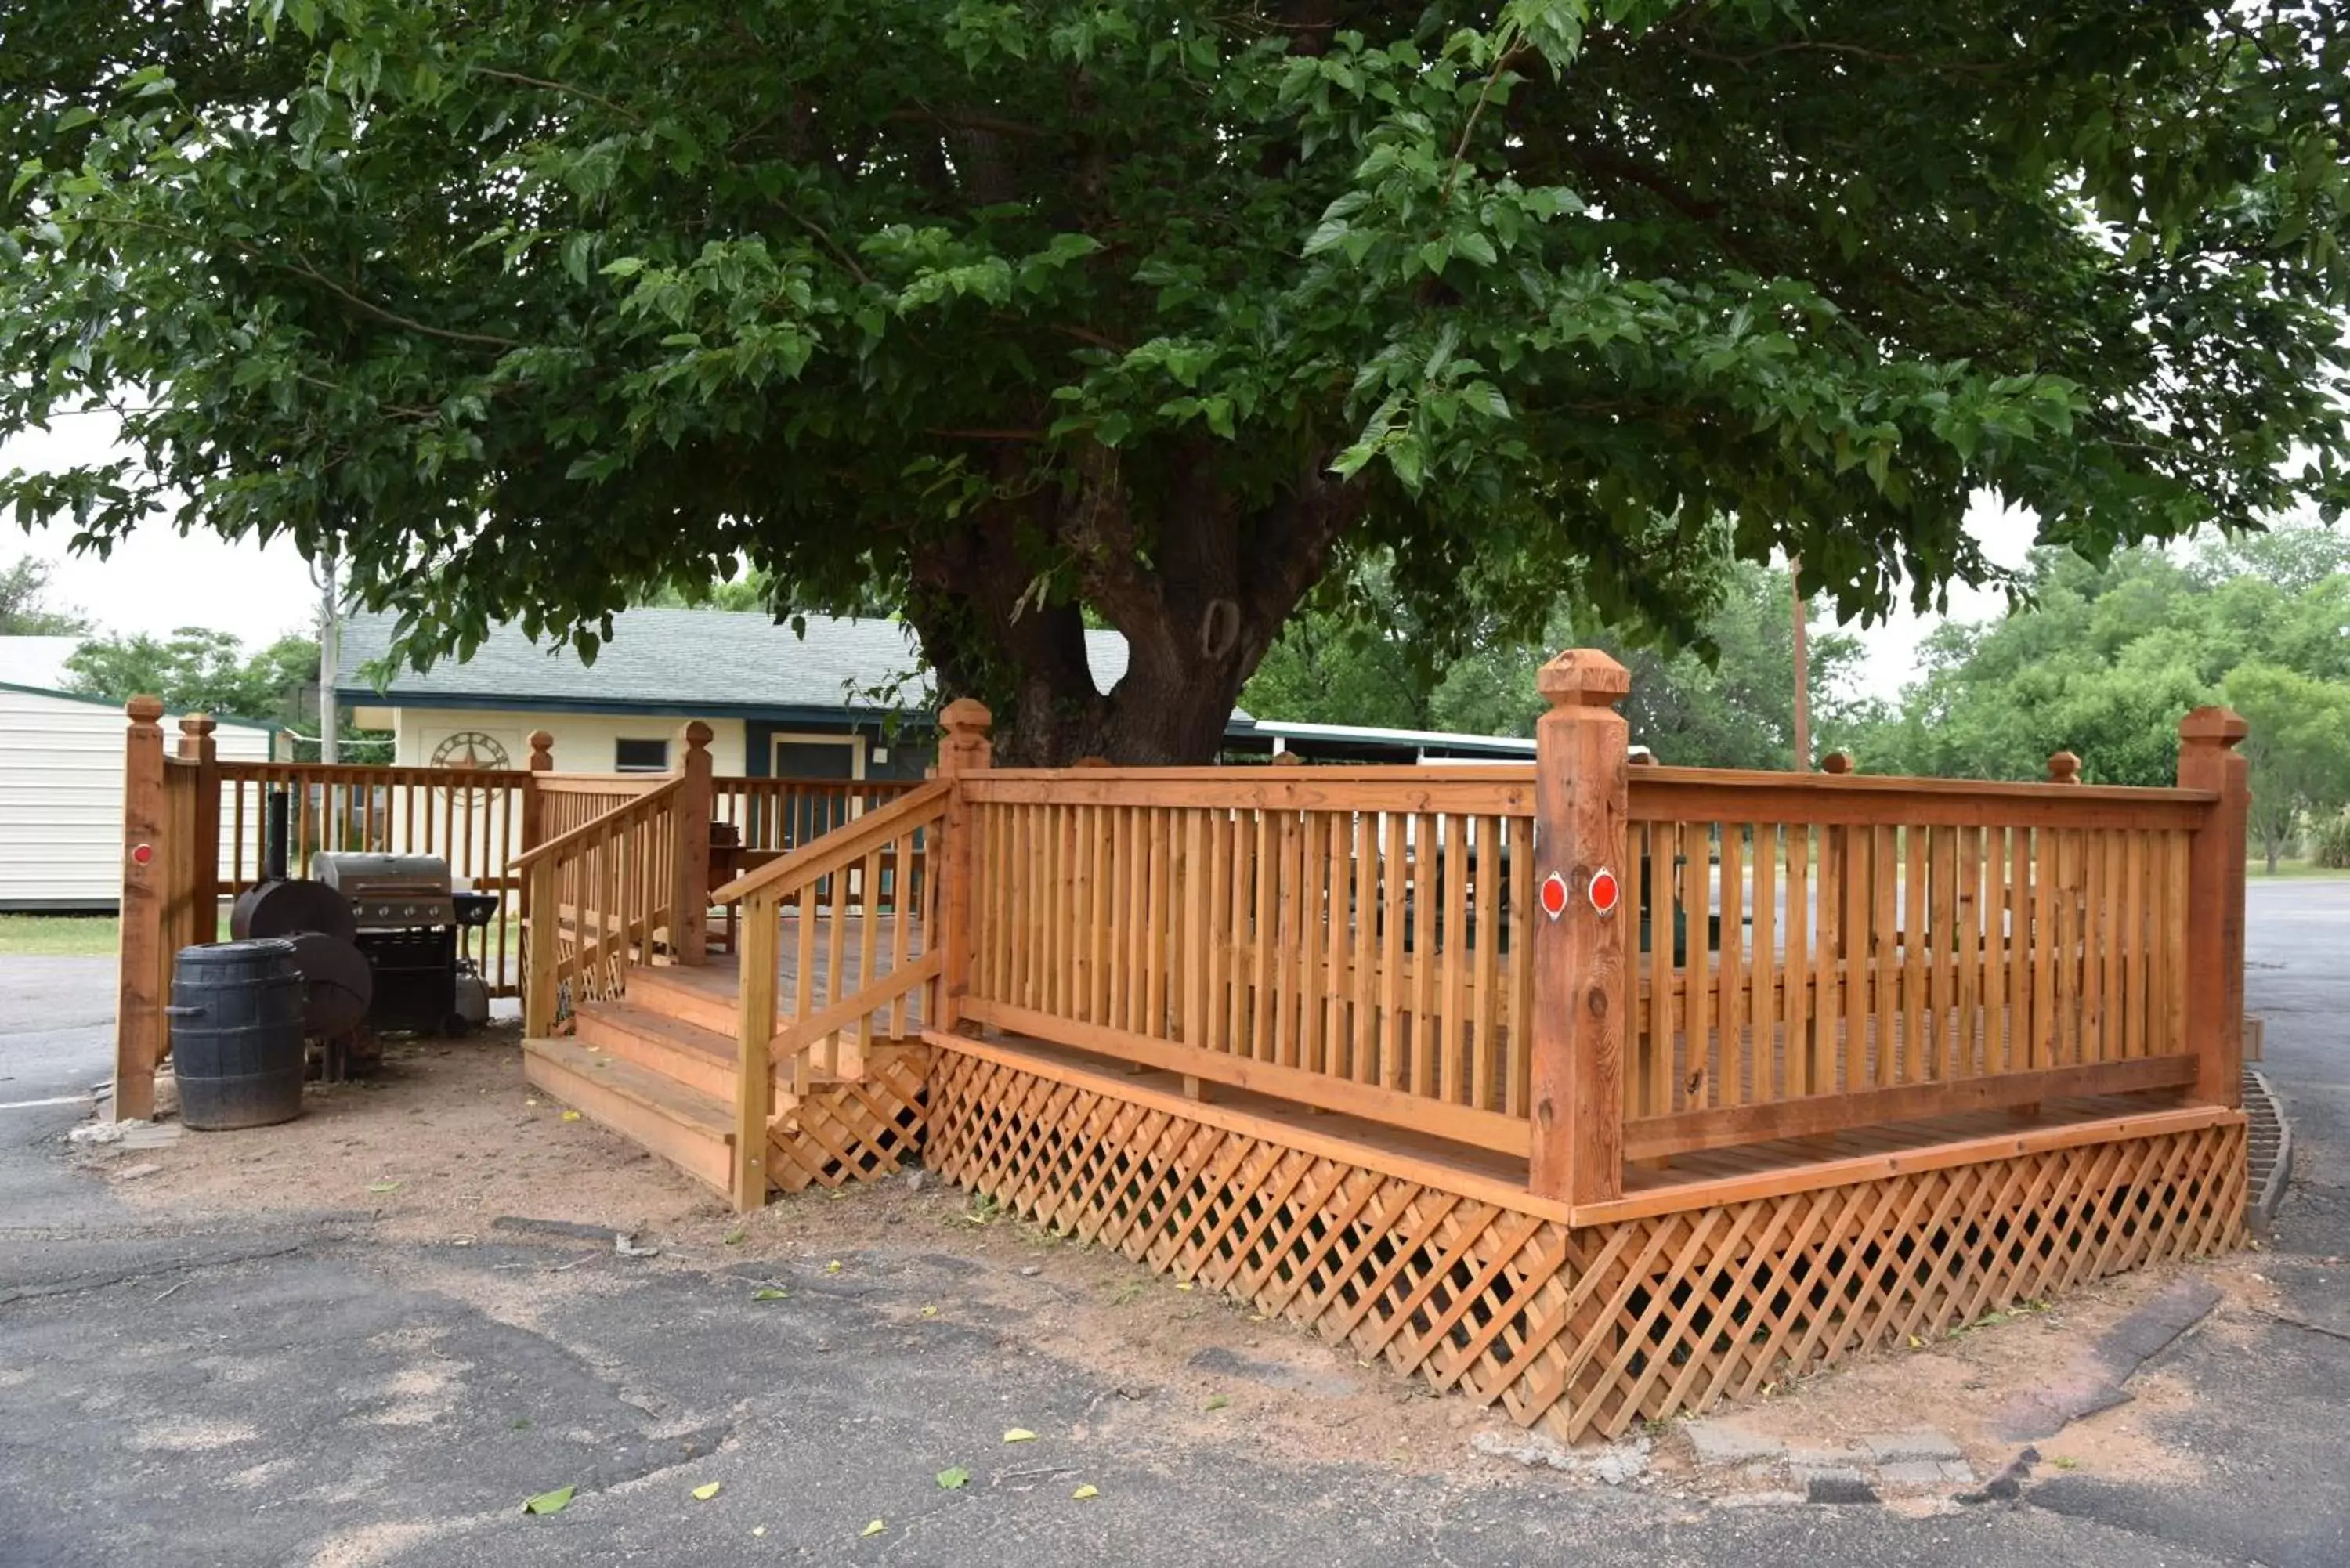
(323, 573)
(1803, 671)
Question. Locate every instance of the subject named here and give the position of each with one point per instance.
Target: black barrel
(236, 1035)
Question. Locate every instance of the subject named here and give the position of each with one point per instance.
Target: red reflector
(1554, 894)
(1604, 892)
(143, 854)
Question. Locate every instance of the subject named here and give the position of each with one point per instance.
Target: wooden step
(674, 1047)
(703, 995)
(692, 1130)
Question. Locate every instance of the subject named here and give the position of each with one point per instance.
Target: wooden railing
(478, 819)
(1815, 953)
(772, 814)
(601, 897)
(1438, 950)
(570, 800)
(1341, 937)
(842, 930)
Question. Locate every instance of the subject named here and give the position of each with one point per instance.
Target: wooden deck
(715, 988)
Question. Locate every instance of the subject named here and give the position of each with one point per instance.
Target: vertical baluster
(1730, 1072)
(1764, 973)
(1485, 932)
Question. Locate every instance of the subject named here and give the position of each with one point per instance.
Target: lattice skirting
(841, 1132)
(1589, 1329)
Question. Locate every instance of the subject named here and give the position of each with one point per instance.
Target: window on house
(640, 756)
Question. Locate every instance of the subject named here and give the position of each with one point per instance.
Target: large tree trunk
(1196, 585)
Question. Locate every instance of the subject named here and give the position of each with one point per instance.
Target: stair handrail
(884, 841)
(645, 802)
(828, 852)
(600, 965)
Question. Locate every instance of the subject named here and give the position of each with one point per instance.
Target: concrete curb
(2271, 1150)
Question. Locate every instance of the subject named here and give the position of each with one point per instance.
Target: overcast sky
(156, 580)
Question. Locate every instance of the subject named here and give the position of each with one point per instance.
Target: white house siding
(584, 743)
(62, 797)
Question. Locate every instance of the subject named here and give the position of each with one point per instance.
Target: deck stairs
(656, 1067)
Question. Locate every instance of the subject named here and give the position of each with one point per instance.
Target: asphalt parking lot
(306, 1388)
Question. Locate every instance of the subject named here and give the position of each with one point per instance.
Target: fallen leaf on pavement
(705, 1493)
(571, 1116)
(1085, 1491)
(383, 1187)
(1217, 1401)
(875, 1528)
(769, 1294)
(554, 1501)
(1019, 1435)
(953, 1479)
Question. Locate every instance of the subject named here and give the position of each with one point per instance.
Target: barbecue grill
(408, 913)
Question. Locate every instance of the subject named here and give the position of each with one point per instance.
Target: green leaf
(770, 1294)
(554, 1501)
(953, 1479)
(707, 1491)
(1217, 1402)
(1085, 1492)
(1019, 1435)
(875, 1528)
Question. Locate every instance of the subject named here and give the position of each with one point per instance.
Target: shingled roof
(712, 662)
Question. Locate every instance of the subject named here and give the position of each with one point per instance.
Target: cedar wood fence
(1790, 954)
(181, 801)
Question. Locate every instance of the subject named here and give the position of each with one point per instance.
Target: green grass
(2256, 867)
(67, 936)
(58, 936)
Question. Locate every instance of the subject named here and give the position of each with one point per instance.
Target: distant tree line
(2098, 659)
(2103, 658)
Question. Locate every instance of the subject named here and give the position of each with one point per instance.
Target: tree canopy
(1016, 311)
(1365, 661)
(24, 607)
(197, 670)
(2104, 661)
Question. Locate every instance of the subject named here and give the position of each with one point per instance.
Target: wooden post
(197, 746)
(534, 804)
(138, 1034)
(689, 915)
(542, 916)
(964, 751)
(759, 967)
(1582, 1006)
(2064, 767)
(537, 893)
(2208, 759)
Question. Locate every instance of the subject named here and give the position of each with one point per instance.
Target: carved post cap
(2213, 727)
(197, 724)
(542, 752)
(145, 709)
(1583, 677)
(966, 715)
(2064, 767)
(1838, 763)
(697, 735)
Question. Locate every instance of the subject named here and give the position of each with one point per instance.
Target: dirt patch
(439, 1140)
(447, 1137)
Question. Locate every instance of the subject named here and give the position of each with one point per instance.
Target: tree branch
(572, 88)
